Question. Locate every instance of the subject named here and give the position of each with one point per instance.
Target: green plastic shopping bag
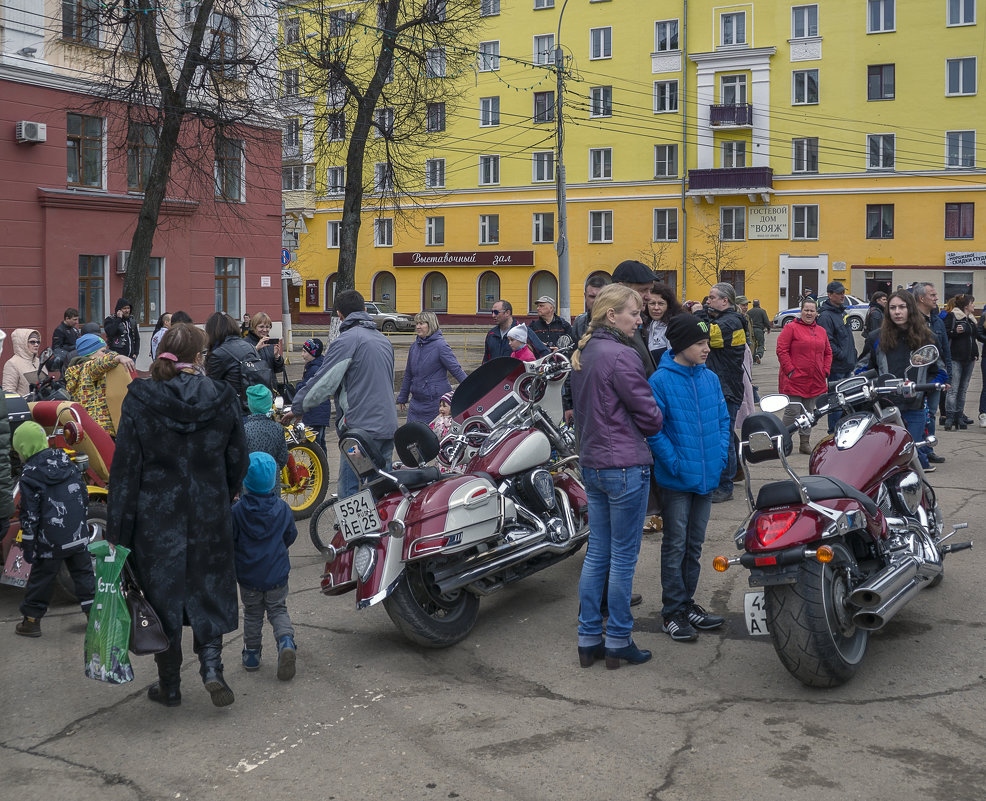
(108, 632)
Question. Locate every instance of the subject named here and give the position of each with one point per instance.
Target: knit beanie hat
(685, 330)
(518, 332)
(88, 343)
(90, 328)
(261, 474)
(258, 399)
(29, 439)
(313, 347)
(446, 398)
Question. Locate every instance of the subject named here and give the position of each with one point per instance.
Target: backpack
(254, 370)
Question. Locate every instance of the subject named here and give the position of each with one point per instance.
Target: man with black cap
(832, 316)
(548, 326)
(640, 277)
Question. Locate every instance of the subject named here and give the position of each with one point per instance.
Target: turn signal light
(773, 525)
(825, 554)
(720, 564)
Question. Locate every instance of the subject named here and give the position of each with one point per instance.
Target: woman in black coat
(232, 359)
(180, 458)
(259, 337)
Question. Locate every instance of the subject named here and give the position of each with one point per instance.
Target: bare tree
(715, 255)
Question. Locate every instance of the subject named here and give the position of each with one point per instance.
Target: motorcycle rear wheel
(429, 619)
(305, 498)
(811, 624)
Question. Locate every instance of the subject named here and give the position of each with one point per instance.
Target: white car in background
(857, 313)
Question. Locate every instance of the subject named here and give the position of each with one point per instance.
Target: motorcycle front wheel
(305, 494)
(811, 625)
(427, 618)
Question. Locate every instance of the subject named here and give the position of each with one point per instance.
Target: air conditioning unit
(31, 131)
(121, 261)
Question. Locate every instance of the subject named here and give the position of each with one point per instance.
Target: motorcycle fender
(98, 493)
(760, 577)
(388, 566)
(807, 528)
(573, 488)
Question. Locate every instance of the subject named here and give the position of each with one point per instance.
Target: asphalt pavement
(509, 714)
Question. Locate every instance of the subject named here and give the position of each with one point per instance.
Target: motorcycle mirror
(926, 354)
(774, 403)
(279, 403)
(361, 462)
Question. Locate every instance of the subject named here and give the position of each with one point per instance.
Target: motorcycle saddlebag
(451, 515)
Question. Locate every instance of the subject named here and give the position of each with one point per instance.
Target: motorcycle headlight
(364, 560)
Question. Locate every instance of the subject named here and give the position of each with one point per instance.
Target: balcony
(731, 116)
(751, 181)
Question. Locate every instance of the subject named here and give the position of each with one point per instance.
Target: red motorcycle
(429, 545)
(842, 550)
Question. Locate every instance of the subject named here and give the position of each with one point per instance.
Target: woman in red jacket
(805, 356)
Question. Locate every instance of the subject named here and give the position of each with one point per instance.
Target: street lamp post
(564, 293)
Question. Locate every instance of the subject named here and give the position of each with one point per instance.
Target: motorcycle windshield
(486, 386)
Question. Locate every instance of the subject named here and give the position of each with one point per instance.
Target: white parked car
(857, 313)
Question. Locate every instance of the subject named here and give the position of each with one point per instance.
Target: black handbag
(146, 632)
(285, 388)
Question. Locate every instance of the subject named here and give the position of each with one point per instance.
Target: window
(223, 50)
(132, 39)
(489, 56)
(384, 288)
(601, 101)
(665, 161)
(489, 111)
(141, 150)
(805, 157)
(489, 291)
(84, 145)
(435, 173)
(489, 8)
(665, 225)
(489, 229)
(435, 63)
(961, 76)
(435, 293)
(959, 218)
(734, 29)
(733, 154)
(541, 283)
(880, 221)
(805, 87)
(666, 35)
(383, 122)
(960, 149)
(489, 169)
(732, 223)
(228, 278)
(335, 180)
(805, 222)
(229, 169)
(291, 137)
(383, 232)
(292, 30)
(434, 230)
(733, 92)
(289, 82)
(961, 12)
(92, 280)
(600, 163)
(737, 278)
(544, 49)
(332, 230)
(665, 96)
(544, 4)
(880, 82)
(543, 162)
(335, 126)
(336, 96)
(295, 176)
(435, 117)
(437, 9)
(544, 107)
(804, 21)
(880, 148)
(383, 177)
(600, 226)
(80, 21)
(543, 227)
(879, 16)
(338, 23)
(152, 292)
(600, 43)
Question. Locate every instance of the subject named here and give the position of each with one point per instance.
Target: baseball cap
(836, 287)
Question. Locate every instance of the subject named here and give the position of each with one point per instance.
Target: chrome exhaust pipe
(885, 584)
(873, 619)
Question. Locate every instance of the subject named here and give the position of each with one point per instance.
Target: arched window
(330, 292)
(488, 291)
(385, 289)
(434, 293)
(601, 273)
(542, 283)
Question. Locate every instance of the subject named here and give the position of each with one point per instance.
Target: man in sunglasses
(496, 339)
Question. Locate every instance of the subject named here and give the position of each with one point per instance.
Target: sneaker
(929, 469)
(934, 457)
(701, 619)
(679, 628)
(982, 420)
(251, 658)
(287, 653)
(29, 627)
(720, 496)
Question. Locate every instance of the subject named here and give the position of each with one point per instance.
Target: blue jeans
(686, 516)
(617, 503)
(914, 421)
(726, 479)
(836, 416)
(931, 402)
(349, 481)
(955, 399)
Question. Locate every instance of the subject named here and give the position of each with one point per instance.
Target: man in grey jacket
(358, 370)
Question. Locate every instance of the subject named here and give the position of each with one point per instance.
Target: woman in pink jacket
(805, 356)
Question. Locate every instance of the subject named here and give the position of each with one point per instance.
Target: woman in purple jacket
(615, 412)
(429, 361)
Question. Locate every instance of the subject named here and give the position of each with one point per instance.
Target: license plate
(755, 613)
(357, 515)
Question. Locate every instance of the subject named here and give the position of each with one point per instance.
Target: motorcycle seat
(412, 478)
(819, 488)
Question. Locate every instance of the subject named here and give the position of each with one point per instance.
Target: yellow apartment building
(775, 145)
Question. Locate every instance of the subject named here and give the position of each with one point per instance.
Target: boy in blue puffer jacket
(263, 530)
(690, 452)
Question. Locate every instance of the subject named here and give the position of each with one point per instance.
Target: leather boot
(805, 444)
(211, 669)
(166, 690)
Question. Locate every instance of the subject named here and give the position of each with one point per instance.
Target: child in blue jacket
(263, 530)
(321, 416)
(690, 453)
